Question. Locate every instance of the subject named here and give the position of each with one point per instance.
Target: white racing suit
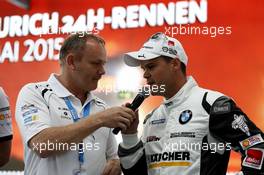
(192, 134)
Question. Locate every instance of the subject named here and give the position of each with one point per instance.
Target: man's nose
(102, 70)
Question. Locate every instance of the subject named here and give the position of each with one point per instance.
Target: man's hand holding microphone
(124, 118)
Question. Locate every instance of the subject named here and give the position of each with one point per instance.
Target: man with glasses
(194, 129)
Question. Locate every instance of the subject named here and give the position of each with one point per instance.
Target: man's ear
(176, 64)
(70, 61)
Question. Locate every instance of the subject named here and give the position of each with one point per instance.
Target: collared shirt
(40, 106)
(5, 117)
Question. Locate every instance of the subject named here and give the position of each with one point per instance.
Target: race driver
(194, 129)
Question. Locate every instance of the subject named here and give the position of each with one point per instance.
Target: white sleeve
(5, 116)
(32, 113)
(111, 148)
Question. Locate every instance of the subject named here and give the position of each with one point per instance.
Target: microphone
(138, 100)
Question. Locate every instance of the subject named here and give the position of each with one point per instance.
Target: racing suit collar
(182, 94)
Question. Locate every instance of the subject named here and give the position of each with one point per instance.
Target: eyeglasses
(158, 36)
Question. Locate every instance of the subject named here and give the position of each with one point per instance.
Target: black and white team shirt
(192, 133)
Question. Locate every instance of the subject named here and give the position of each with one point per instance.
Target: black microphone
(138, 100)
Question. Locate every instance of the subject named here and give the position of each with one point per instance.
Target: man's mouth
(96, 78)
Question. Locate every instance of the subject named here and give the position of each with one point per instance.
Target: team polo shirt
(40, 106)
(5, 117)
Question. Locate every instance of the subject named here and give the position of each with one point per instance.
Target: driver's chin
(155, 90)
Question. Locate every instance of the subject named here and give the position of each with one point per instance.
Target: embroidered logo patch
(159, 121)
(182, 134)
(152, 138)
(254, 158)
(185, 117)
(30, 119)
(222, 109)
(251, 141)
(240, 123)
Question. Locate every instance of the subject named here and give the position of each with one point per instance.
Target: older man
(65, 128)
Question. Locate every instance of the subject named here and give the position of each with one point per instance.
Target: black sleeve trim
(139, 168)
(205, 104)
(122, 152)
(6, 138)
(213, 163)
(229, 123)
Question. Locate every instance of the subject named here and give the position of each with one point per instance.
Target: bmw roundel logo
(185, 117)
